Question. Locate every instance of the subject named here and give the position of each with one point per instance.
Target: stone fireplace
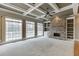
(57, 29)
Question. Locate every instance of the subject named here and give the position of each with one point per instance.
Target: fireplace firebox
(57, 34)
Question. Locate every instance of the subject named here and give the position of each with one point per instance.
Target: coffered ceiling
(38, 10)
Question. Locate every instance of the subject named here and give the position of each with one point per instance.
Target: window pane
(39, 29)
(30, 29)
(13, 29)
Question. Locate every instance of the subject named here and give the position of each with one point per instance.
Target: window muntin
(13, 29)
(39, 29)
(30, 29)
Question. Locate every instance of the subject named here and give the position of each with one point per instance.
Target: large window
(30, 29)
(13, 29)
(39, 29)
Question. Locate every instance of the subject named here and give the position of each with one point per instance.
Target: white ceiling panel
(20, 5)
(37, 13)
(45, 6)
(11, 9)
(33, 4)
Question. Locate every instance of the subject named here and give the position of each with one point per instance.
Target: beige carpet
(38, 47)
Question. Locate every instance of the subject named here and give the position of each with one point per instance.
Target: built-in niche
(70, 25)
